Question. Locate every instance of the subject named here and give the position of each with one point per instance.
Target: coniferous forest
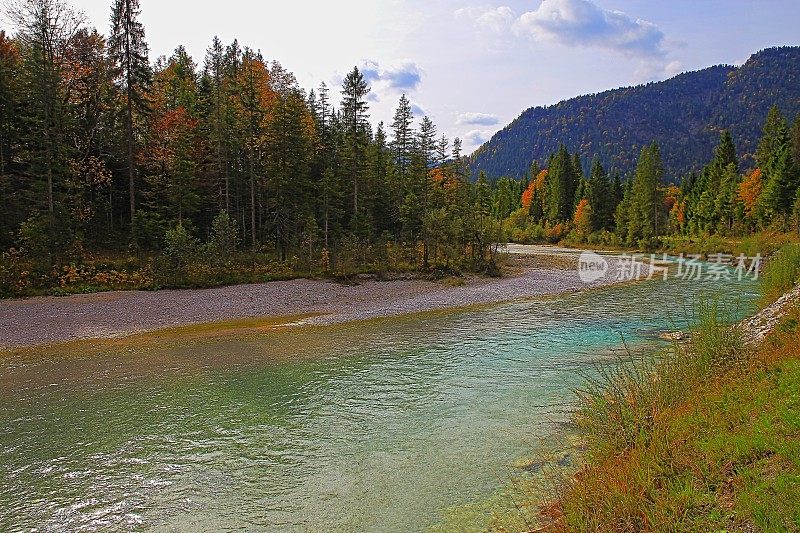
(217, 170)
(118, 171)
(650, 210)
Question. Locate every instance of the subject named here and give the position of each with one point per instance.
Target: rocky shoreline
(756, 328)
(50, 320)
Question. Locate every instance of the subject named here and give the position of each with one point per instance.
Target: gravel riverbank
(37, 321)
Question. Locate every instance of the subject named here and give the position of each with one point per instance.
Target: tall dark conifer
(128, 49)
(355, 128)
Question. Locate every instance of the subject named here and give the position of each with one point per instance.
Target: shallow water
(376, 426)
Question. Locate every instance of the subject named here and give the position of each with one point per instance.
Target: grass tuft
(781, 274)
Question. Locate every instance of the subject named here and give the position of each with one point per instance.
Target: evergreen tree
(128, 50)
(45, 29)
(402, 137)
(780, 186)
(217, 126)
(646, 213)
(355, 128)
(796, 141)
(288, 146)
(561, 187)
(601, 197)
(773, 137)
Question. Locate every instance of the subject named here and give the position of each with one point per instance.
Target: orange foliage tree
(750, 191)
(536, 185)
(583, 217)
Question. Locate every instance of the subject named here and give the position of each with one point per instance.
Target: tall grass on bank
(781, 273)
(621, 415)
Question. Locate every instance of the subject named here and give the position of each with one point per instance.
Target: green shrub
(224, 238)
(180, 247)
(45, 239)
(147, 231)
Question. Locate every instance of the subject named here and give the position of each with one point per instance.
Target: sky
(472, 65)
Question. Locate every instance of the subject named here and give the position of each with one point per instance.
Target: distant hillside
(684, 114)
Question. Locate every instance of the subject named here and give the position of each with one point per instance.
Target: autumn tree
(750, 194)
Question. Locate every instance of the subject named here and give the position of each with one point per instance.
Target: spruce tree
(796, 142)
(45, 29)
(214, 71)
(128, 50)
(645, 218)
(561, 187)
(355, 128)
(772, 138)
(402, 137)
(780, 187)
(601, 197)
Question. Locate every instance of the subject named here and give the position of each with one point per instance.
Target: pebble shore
(49, 320)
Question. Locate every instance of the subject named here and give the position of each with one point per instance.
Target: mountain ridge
(684, 114)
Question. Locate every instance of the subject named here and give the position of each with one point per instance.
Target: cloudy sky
(473, 66)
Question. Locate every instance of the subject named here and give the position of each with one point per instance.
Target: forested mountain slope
(683, 114)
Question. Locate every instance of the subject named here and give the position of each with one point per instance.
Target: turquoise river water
(376, 426)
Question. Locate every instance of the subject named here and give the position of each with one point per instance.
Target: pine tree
(796, 142)
(128, 50)
(561, 187)
(256, 98)
(780, 186)
(725, 154)
(426, 141)
(726, 200)
(355, 128)
(645, 218)
(218, 132)
(288, 144)
(772, 138)
(402, 137)
(442, 150)
(45, 29)
(11, 204)
(601, 197)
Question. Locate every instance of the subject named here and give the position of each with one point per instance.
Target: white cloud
(497, 19)
(402, 76)
(477, 119)
(583, 23)
(418, 111)
(475, 138)
(673, 68)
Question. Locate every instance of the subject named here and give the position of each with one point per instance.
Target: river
(374, 426)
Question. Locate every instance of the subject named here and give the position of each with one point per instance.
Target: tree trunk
(131, 170)
(252, 202)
